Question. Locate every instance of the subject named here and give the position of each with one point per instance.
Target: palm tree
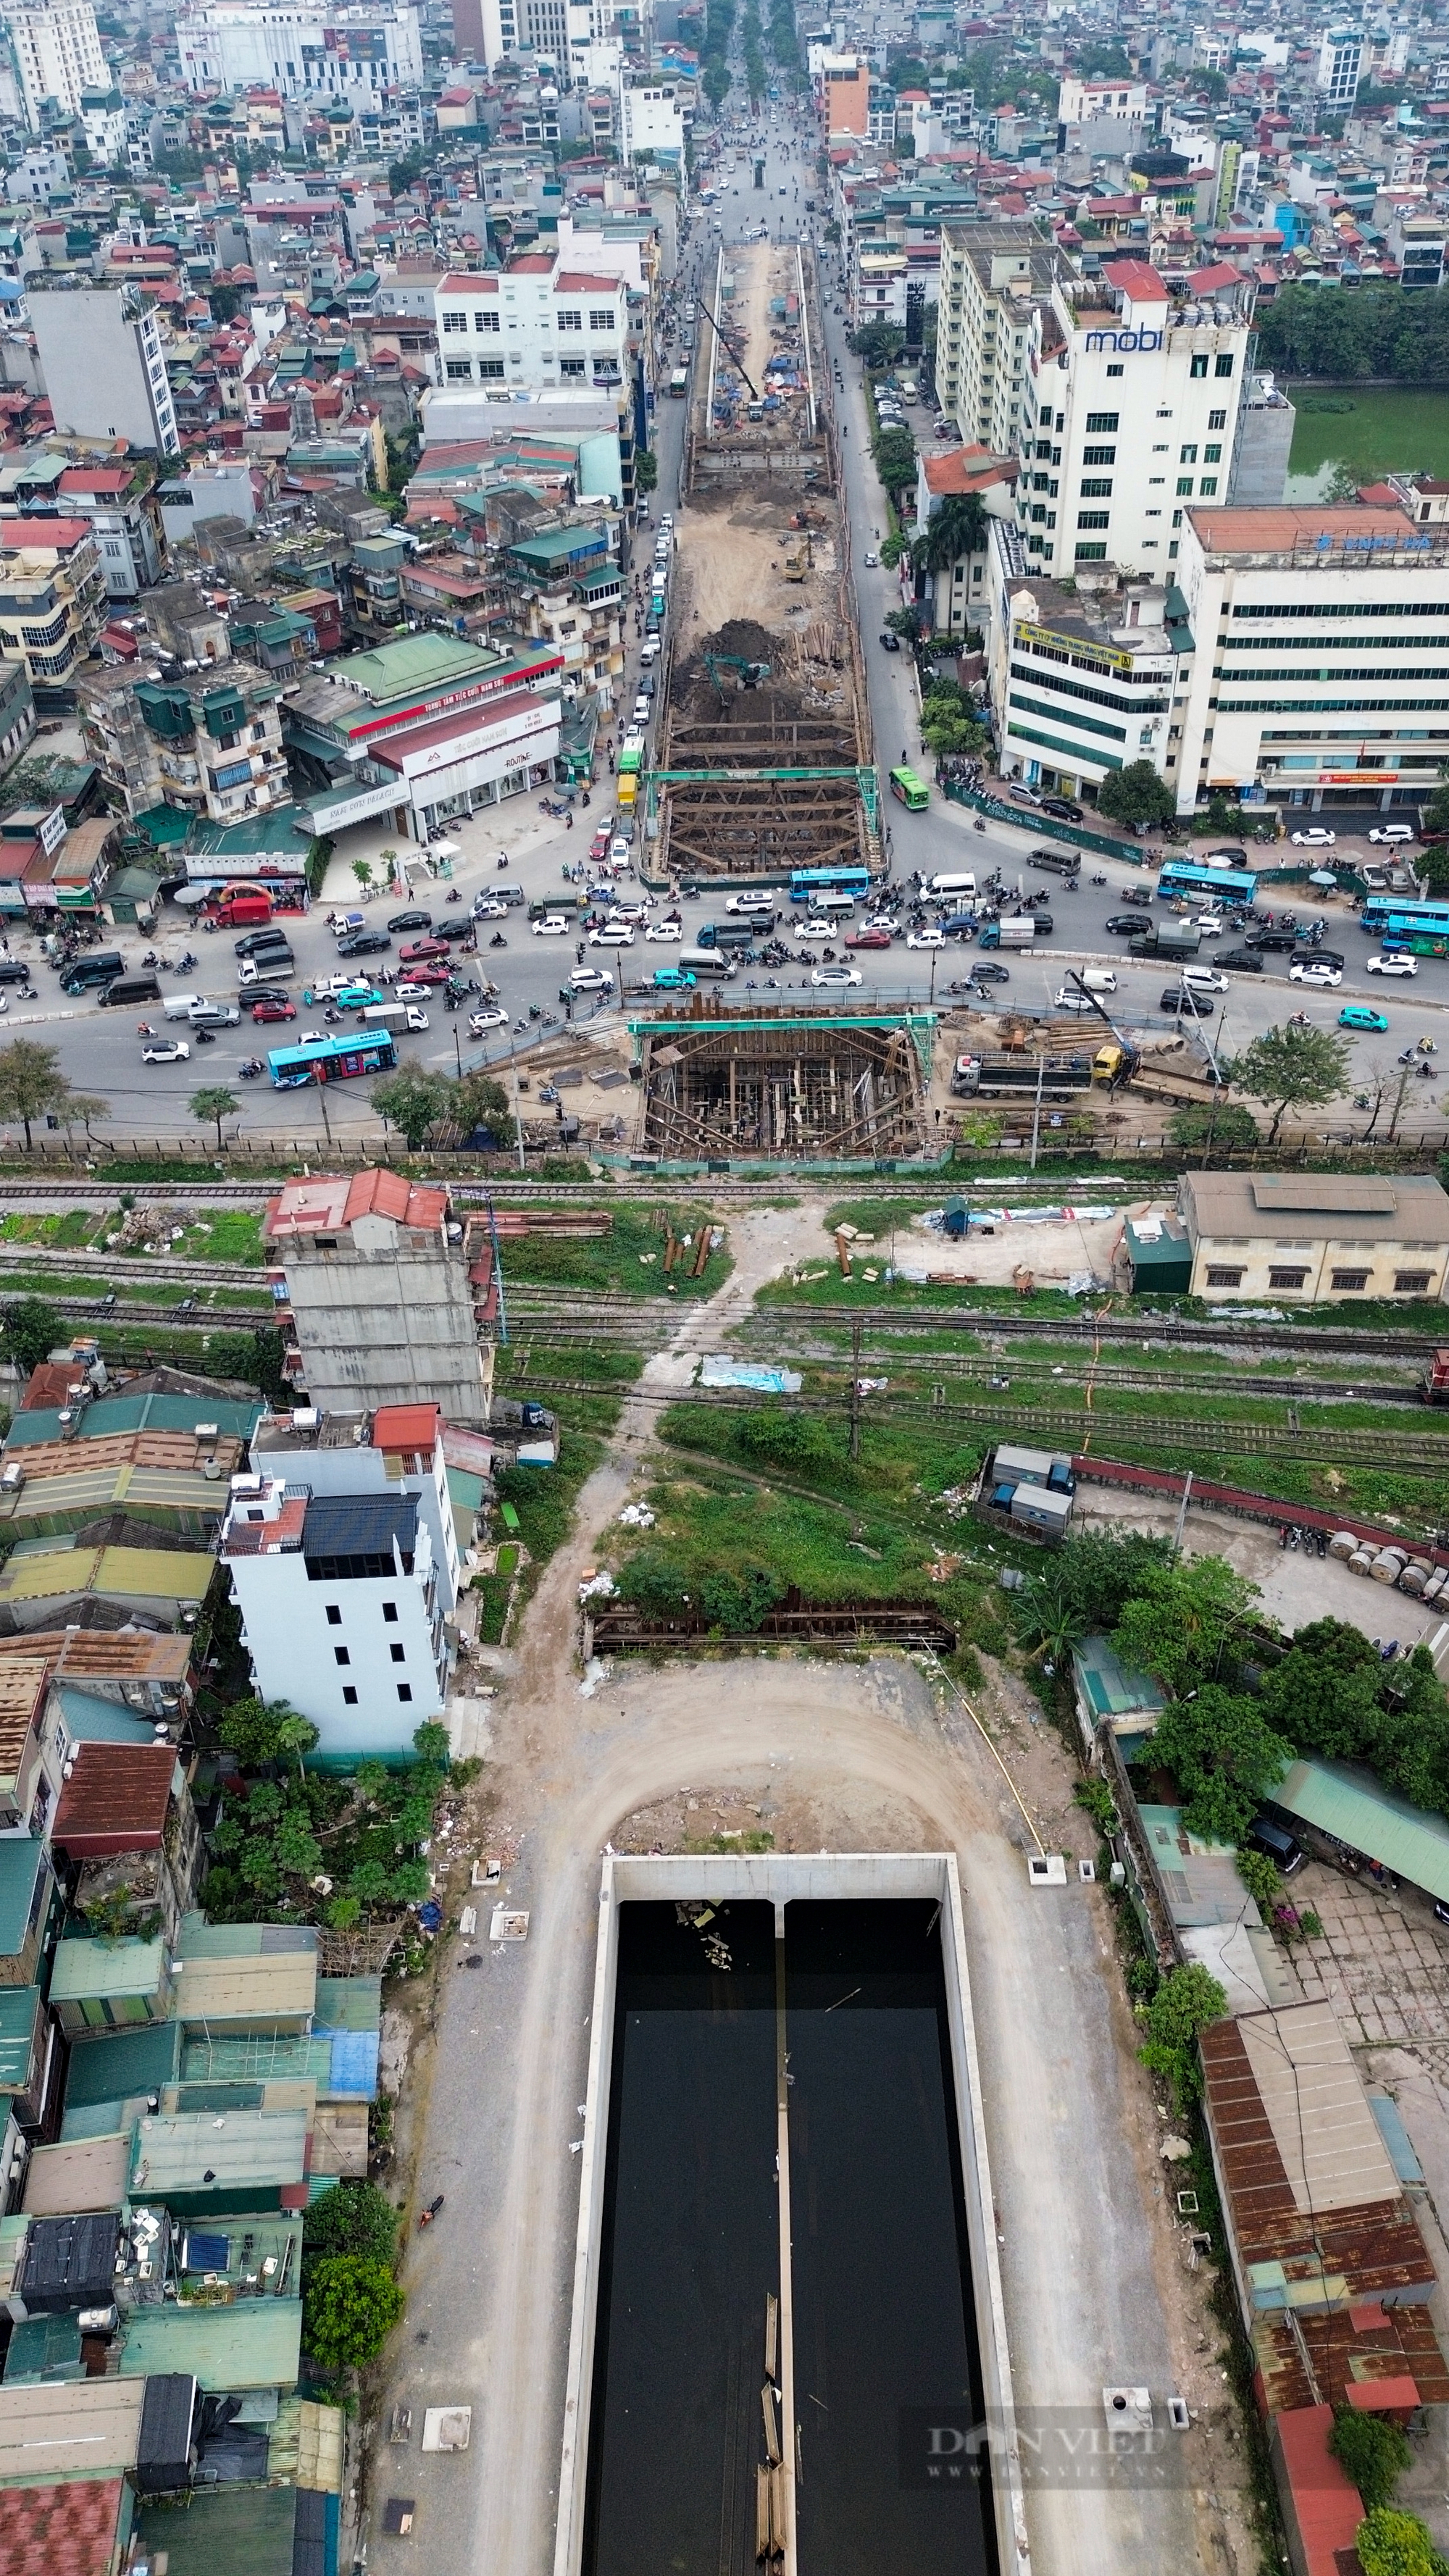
(954, 532)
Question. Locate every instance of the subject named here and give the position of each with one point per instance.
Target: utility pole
(1036, 1109)
(855, 1392)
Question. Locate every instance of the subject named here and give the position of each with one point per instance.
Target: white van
(179, 1006)
(835, 903)
(1099, 979)
(952, 885)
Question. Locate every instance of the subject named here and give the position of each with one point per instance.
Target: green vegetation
(1370, 2450)
(30, 1331)
(354, 2219)
(213, 1103)
(1381, 331)
(32, 1086)
(1136, 795)
(627, 1261)
(1184, 2004)
(1183, 1620)
(1222, 1754)
(284, 1837)
(349, 2308)
(1396, 2544)
(1292, 1068)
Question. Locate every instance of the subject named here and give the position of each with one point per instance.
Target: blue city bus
(806, 883)
(1382, 909)
(1417, 930)
(1209, 885)
(332, 1059)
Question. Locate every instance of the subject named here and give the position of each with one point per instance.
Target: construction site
(715, 1084)
(764, 761)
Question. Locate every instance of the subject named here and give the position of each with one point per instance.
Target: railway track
(1058, 1427)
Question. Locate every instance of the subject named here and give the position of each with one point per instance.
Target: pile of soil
(697, 693)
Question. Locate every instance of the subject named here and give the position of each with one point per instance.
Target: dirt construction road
(1091, 2265)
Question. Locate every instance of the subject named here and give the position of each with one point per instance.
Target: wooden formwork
(828, 1088)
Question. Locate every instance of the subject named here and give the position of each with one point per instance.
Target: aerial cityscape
(724, 1690)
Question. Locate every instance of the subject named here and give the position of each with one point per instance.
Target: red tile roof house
(127, 1831)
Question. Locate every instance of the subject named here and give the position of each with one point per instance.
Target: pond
(1372, 429)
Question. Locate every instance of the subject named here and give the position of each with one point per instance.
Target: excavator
(752, 675)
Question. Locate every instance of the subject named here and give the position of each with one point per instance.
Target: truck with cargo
(1021, 931)
(403, 1018)
(1167, 939)
(975, 1077)
(238, 908)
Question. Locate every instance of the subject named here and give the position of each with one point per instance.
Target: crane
(730, 351)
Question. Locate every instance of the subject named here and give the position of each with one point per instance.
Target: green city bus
(913, 792)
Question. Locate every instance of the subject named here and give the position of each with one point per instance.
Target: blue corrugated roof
(354, 2061)
(90, 1720)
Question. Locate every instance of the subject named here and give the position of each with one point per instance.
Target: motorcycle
(427, 2216)
(144, 1029)
(332, 1016)
(454, 895)
(978, 825)
(497, 940)
(204, 1037)
(1099, 878)
(185, 964)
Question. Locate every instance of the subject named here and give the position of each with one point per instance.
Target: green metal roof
(163, 825)
(415, 662)
(560, 545)
(1112, 1688)
(202, 1940)
(177, 2151)
(87, 1971)
(349, 2003)
(91, 1720)
(230, 2531)
(21, 1864)
(121, 2064)
(255, 2344)
(19, 2006)
(119, 1413)
(1346, 1801)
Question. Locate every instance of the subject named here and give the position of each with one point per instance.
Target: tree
(31, 1330)
(1230, 1129)
(1136, 795)
(1187, 2000)
(958, 528)
(894, 451)
(350, 2305)
(214, 1101)
(362, 870)
(412, 1101)
(1371, 2451)
(225, 302)
(403, 175)
(1396, 2544)
(353, 2218)
(261, 1732)
(1296, 1068)
(33, 1086)
(646, 471)
(296, 1735)
(1324, 1694)
(1224, 1756)
(1178, 1624)
(479, 1101)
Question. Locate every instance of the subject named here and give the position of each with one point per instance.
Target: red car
(430, 974)
(868, 939)
(599, 845)
(274, 1011)
(418, 949)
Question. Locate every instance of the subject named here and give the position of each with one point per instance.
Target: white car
(882, 921)
(175, 1051)
(486, 907)
(1211, 925)
(818, 930)
(1068, 1001)
(837, 977)
(870, 561)
(1392, 965)
(1317, 837)
(553, 926)
(666, 519)
(480, 1022)
(649, 651)
(1205, 979)
(1393, 833)
(590, 979)
(620, 850)
(410, 992)
(615, 934)
(930, 937)
(1315, 974)
(663, 931)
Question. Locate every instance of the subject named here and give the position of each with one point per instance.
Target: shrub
(1185, 2002)
(349, 2308)
(1260, 1877)
(1371, 2451)
(354, 2219)
(1396, 2544)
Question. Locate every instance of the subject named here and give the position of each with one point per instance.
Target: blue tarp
(354, 2061)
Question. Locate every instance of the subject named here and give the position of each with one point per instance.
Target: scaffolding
(818, 1088)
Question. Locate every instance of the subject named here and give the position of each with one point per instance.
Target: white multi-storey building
(533, 325)
(57, 54)
(104, 365)
(350, 51)
(993, 278)
(1129, 413)
(1321, 669)
(1340, 66)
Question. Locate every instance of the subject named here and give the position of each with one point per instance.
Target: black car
(1124, 925)
(1063, 808)
(890, 643)
(462, 927)
(1239, 961)
(253, 993)
(1182, 998)
(411, 921)
(363, 943)
(959, 925)
(1273, 939)
(253, 940)
(12, 972)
